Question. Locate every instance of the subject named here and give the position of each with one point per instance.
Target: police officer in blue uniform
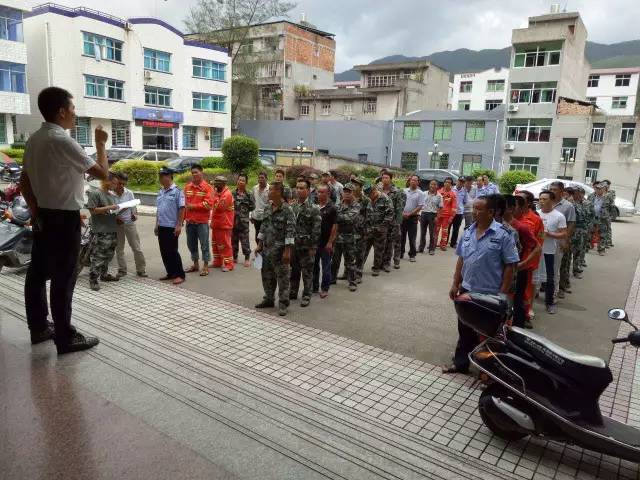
(487, 257)
(169, 219)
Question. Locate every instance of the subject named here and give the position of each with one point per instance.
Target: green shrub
(240, 153)
(212, 162)
(485, 171)
(140, 172)
(209, 175)
(510, 179)
(369, 172)
(16, 153)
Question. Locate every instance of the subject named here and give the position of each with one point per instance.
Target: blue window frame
(209, 69)
(11, 24)
(209, 102)
(189, 137)
(102, 48)
(157, 60)
(106, 88)
(216, 136)
(12, 77)
(158, 97)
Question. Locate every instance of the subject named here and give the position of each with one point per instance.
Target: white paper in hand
(128, 204)
(257, 262)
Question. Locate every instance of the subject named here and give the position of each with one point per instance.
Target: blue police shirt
(487, 190)
(485, 257)
(169, 203)
(462, 197)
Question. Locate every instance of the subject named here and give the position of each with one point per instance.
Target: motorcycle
(10, 193)
(536, 387)
(87, 240)
(16, 236)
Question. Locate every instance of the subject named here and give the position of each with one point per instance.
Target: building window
(542, 92)
(442, 130)
(12, 77)
(597, 133)
(157, 60)
(157, 138)
(592, 100)
(619, 102)
(209, 102)
(381, 80)
(623, 80)
(120, 133)
(105, 88)
(371, 105)
(189, 138)
(216, 136)
(466, 87)
(524, 163)
(539, 56)
(247, 47)
(81, 133)
(304, 109)
(440, 160)
(627, 132)
(409, 161)
(363, 157)
(157, 97)
(3, 129)
(101, 48)
(529, 130)
(475, 132)
(464, 105)
(593, 81)
(11, 24)
(569, 149)
(591, 172)
(347, 108)
(209, 69)
(269, 70)
(411, 131)
(492, 104)
(495, 86)
(326, 108)
(470, 163)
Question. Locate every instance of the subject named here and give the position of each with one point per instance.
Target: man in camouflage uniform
(361, 230)
(347, 219)
(307, 215)
(275, 241)
(602, 205)
(609, 192)
(398, 199)
(380, 216)
(244, 204)
(581, 236)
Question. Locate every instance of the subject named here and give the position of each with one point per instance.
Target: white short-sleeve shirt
(553, 221)
(55, 164)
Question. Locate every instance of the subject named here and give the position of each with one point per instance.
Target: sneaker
(225, 268)
(432, 252)
(77, 343)
(561, 294)
(359, 280)
(305, 302)
(577, 275)
(265, 304)
(387, 268)
(552, 309)
(121, 274)
(43, 335)
(412, 259)
(353, 288)
(142, 274)
(94, 285)
(282, 311)
(375, 273)
(109, 278)
(396, 266)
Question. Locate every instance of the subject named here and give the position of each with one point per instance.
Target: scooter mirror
(618, 314)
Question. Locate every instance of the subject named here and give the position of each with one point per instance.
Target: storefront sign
(152, 123)
(157, 115)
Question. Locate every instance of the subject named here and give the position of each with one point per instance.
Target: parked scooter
(535, 387)
(10, 193)
(16, 237)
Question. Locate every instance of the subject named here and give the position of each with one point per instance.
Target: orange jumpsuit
(445, 215)
(535, 224)
(221, 228)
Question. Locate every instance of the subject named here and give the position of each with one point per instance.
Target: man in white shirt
(127, 229)
(555, 229)
(261, 197)
(53, 185)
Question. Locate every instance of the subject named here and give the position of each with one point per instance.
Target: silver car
(624, 208)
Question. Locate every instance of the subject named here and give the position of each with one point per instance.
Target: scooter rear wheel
(494, 419)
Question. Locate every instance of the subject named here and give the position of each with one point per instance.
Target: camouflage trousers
(104, 248)
(301, 266)
(604, 228)
(579, 243)
(361, 248)
(347, 245)
(377, 240)
(608, 238)
(393, 245)
(565, 269)
(274, 274)
(240, 235)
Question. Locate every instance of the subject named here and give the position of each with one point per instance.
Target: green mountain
(622, 54)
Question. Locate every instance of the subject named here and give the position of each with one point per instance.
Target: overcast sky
(370, 29)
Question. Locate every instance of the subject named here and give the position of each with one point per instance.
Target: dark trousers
(467, 341)
(549, 260)
(454, 228)
(427, 221)
(168, 243)
(409, 228)
(256, 225)
(322, 260)
(54, 254)
(519, 312)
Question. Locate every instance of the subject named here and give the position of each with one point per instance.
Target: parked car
(438, 174)
(267, 160)
(624, 207)
(10, 170)
(152, 155)
(183, 164)
(113, 155)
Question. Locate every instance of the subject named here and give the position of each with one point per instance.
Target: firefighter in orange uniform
(446, 213)
(222, 225)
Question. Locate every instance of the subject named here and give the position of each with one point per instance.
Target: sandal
(191, 269)
(204, 272)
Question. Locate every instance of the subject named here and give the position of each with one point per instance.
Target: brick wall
(573, 108)
(309, 49)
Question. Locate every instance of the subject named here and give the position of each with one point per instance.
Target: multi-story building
(140, 78)
(614, 90)
(386, 91)
(483, 90)
(277, 58)
(14, 99)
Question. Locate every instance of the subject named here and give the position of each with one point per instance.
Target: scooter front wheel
(495, 419)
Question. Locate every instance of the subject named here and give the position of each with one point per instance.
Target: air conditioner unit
(509, 147)
(147, 75)
(513, 108)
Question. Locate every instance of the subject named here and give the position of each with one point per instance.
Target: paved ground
(408, 310)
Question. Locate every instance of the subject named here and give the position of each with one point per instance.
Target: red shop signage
(153, 123)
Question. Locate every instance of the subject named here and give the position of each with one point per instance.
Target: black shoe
(333, 282)
(387, 268)
(342, 277)
(421, 250)
(109, 278)
(528, 324)
(293, 297)
(142, 274)
(77, 343)
(265, 304)
(315, 290)
(43, 335)
(453, 245)
(94, 285)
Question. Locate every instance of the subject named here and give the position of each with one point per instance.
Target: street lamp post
(435, 154)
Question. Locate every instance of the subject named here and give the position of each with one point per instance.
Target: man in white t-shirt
(555, 229)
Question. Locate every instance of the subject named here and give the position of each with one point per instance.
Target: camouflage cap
(220, 178)
(348, 186)
(367, 189)
(359, 180)
(313, 175)
(578, 188)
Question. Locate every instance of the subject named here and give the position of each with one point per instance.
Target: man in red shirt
(531, 219)
(222, 225)
(197, 196)
(446, 213)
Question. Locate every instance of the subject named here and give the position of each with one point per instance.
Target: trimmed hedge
(510, 179)
(140, 172)
(209, 175)
(369, 172)
(15, 153)
(493, 176)
(212, 162)
(240, 153)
